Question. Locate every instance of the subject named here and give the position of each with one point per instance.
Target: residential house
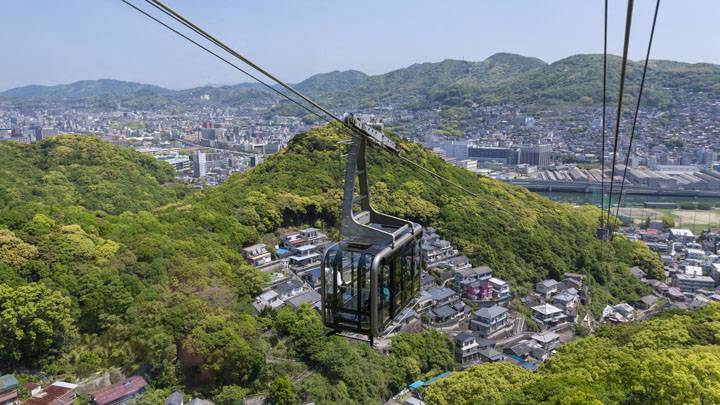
(625, 310)
(638, 273)
(310, 297)
(313, 236)
(257, 255)
(491, 354)
(292, 240)
(488, 321)
(424, 301)
(407, 316)
(469, 275)
(479, 291)
(547, 287)
(443, 296)
(455, 263)
(121, 392)
(548, 315)
(434, 249)
(305, 258)
(176, 398)
(492, 291)
(548, 340)
(8, 389)
(267, 299)
(447, 313)
(699, 301)
(674, 294)
(426, 281)
(576, 277)
(619, 313)
(500, 289)
(288, 289)
(467, 348)
(311, 276)
(567, 300)
(520, 350)
(57, 393)
(647, 302)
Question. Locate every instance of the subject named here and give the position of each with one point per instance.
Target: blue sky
(61, 41)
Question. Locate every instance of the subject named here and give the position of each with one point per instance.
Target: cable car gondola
(374, 272)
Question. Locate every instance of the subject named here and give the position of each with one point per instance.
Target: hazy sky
(61, 41)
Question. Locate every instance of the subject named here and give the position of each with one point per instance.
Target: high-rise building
(705, 156)
(199, 164)
(493, 154)
(213, 134)
(255, 160)
(535, 155)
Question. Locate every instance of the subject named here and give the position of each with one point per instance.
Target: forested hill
(126, 268)
(85, 89)
(524, 237)
(507, 78)
(500, 79)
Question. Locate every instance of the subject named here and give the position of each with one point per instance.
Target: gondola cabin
(374, 272)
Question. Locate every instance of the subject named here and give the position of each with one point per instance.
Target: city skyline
(79, 40)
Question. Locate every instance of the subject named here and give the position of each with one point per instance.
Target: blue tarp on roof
(420, 383)
(437, 377)
(8, 382)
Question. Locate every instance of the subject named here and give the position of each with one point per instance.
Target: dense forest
(106, 262)
(671, 359)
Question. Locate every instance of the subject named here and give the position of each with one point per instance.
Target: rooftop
(546, 309)
(491, 312)
(122, 389)
(57, 391)
(8, 382)
(546, 337)
(441, 293)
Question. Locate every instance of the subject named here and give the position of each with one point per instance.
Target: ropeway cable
(637, 109)
(176, 16)
(628, 25)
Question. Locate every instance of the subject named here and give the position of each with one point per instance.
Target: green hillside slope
(507, 78)
(84, 171)
(674, 358)
(524, 237)
(85, 89)
(502, 78)
(127, 269)
(331, 81)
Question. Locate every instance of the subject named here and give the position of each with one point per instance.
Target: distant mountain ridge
(85, 89)
(332, 81)
(501, 78)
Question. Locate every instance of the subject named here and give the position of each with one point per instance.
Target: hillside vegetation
(503, 78)
(524, 237)
(672, 359)
(104, 262)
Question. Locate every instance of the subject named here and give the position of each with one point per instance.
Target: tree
(230, 395)
(480, 384)
(282, 392)
(14, 251)
(35, 323)
(224, 349)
